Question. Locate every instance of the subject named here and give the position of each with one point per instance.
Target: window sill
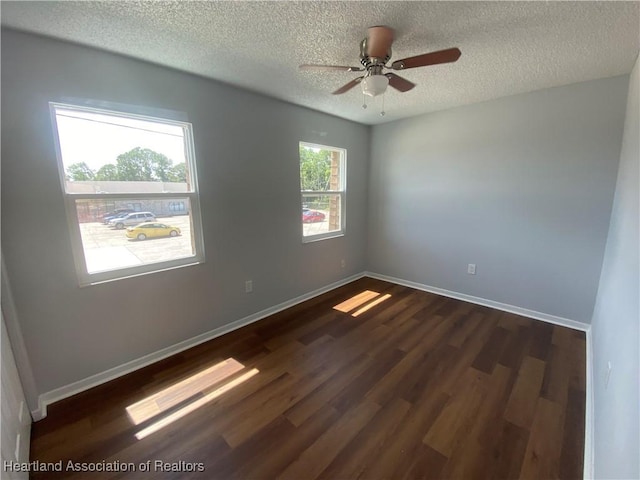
(324, 236)
(98, 279)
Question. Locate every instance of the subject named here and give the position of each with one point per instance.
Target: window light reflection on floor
(360, 300)
(193, 387)
(178, 414)
(179, 392)
(371, 305)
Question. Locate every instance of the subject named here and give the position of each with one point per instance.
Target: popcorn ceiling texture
(507, 47)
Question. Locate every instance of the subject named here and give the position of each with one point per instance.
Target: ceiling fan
(375, 52)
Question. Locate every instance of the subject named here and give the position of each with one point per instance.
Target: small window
(322, 187)
(113, 164)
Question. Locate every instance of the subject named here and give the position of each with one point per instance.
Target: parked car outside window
(132, 219)
(152, 230)
(312, 216)
(107, 217)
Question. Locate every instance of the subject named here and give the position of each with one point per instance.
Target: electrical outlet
(248, 286)
(471, 269)
(607, 375)
(343, 263)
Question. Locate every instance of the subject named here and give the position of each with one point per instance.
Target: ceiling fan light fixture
(374, 85)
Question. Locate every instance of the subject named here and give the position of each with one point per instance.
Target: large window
(322, 185)
(130, 190)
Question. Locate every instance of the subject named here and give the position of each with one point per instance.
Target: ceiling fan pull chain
(364, 101)
(382, 112)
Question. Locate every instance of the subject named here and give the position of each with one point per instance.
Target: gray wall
(616, 317)
(521, 186)
(248, 169)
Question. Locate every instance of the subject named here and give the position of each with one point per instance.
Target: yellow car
(152, 230)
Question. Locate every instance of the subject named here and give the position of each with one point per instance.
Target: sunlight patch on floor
(178, 414)
(371, 305)
(197, 390)
(179, 392)
(360, 300)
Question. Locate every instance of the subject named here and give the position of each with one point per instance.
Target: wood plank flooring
(372, 380)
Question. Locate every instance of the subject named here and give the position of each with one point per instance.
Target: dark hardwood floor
(371, 380)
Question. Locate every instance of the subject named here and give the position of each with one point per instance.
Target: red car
(312, 216)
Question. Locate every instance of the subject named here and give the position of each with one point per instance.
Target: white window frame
(341, 192)
(85, 278)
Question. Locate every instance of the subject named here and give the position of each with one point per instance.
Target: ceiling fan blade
(433, 58)
(348, 86)
(379, 40)
(330, 68)
(399, 83)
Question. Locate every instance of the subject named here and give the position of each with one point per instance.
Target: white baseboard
(589, 471)
(525, 312)
(74, 388)
(41, 411)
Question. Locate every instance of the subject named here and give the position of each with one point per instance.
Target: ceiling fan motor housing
(368, 62)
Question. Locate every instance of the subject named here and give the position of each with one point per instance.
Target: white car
(132, 219)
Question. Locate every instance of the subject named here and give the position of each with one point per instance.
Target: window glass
(322, 185)
(119, 170)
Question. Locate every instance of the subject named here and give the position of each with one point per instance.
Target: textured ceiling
(507, 47)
